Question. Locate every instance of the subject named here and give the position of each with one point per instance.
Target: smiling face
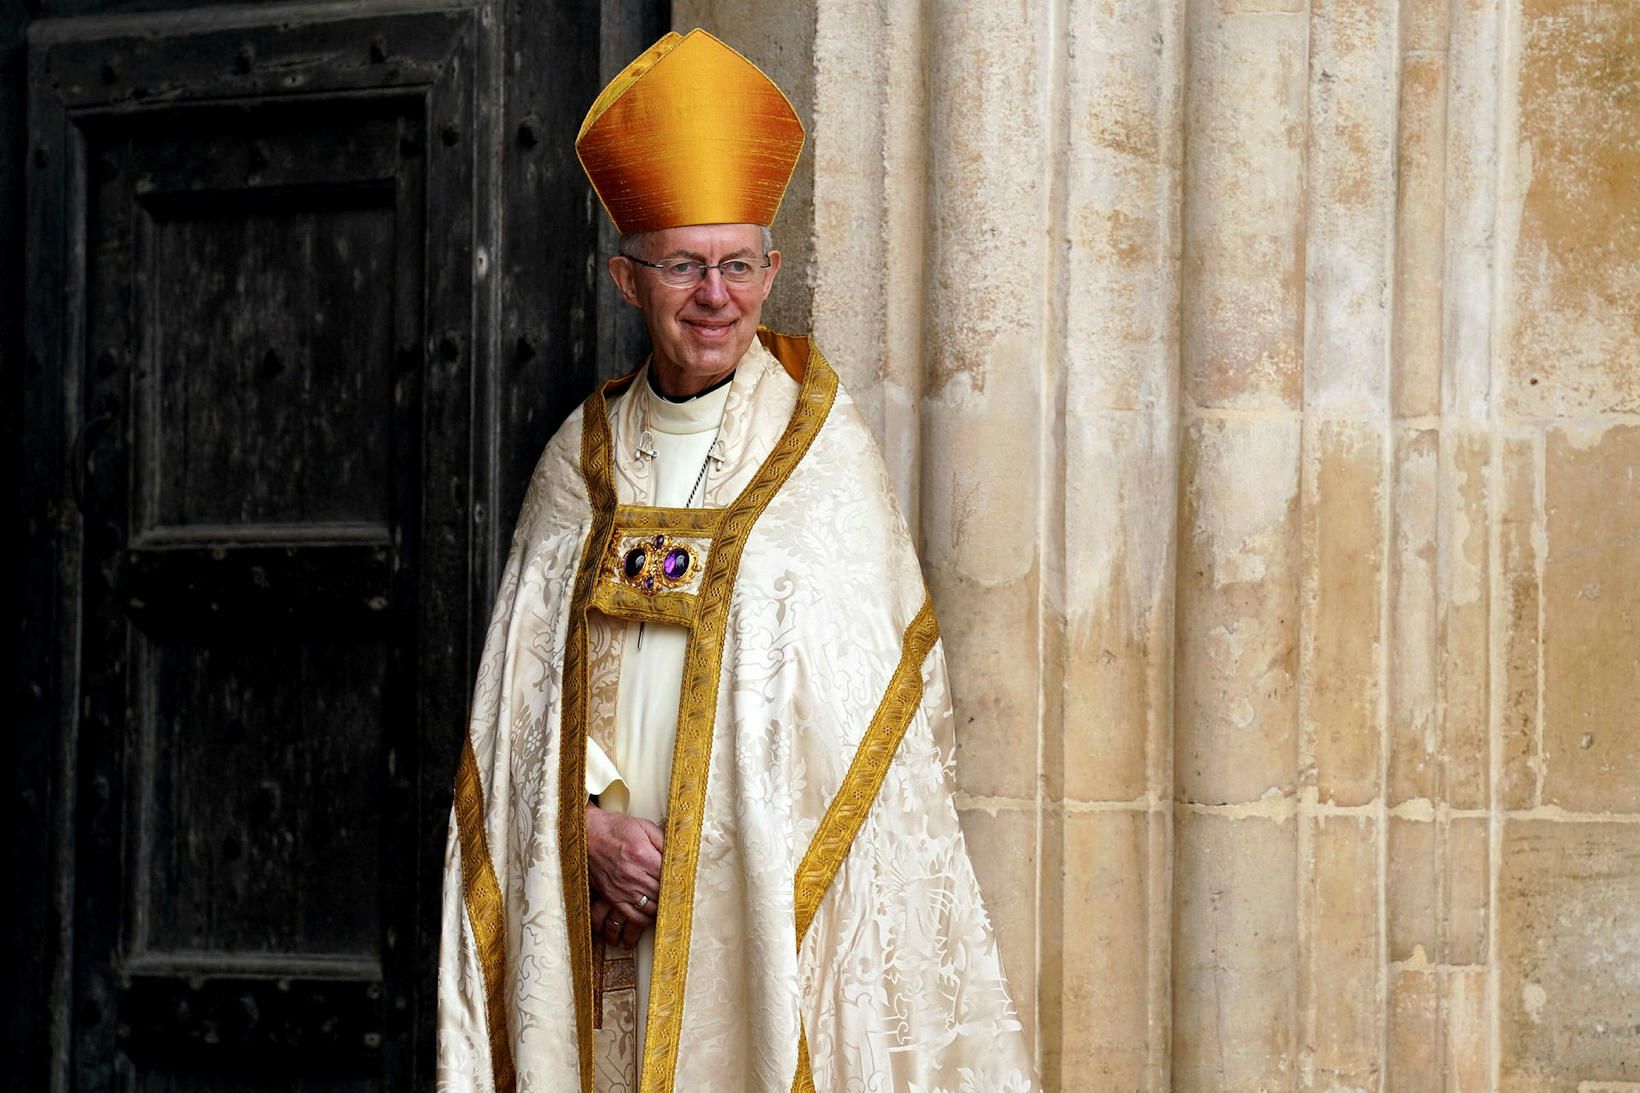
(699, 334)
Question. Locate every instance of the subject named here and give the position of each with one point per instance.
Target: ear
(625, 278)
(774, 268)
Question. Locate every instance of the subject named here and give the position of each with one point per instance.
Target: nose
(712, 292)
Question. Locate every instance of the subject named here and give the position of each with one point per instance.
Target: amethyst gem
(635, 559)
(676, 563)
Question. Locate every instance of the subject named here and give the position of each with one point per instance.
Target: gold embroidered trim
(641, 519)
(482, 894)
(697, 710)
(860, 786)
(597, 470)
(803, 1080)
(677, 608)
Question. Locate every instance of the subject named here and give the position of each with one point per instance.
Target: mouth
(710, 329)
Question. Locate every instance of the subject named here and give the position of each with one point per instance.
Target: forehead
(707, 240)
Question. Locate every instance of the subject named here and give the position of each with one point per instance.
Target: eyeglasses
(687, 272)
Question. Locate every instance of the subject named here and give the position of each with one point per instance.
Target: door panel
(250, 297)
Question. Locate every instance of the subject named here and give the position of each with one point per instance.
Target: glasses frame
(704, 268)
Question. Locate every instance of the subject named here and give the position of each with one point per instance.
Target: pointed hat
(690, 132)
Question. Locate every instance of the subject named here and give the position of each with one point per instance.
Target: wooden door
(307, 289)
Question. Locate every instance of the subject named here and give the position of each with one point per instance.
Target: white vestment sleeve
(601, 770)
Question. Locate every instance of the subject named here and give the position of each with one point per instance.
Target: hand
(604, 918)
(624, 864)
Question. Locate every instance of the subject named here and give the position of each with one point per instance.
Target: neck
(672, 382)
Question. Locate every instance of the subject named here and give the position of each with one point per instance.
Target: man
(703, 837)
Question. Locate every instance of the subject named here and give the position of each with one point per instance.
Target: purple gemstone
(649, 584)
(635, 559)
(660, 541)
(676, 563)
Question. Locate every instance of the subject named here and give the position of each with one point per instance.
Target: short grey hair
(637, 243)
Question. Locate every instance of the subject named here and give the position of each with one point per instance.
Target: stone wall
(1262, 379)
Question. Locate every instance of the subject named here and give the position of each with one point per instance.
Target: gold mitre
(690, 133)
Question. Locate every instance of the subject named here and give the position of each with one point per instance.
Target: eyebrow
(696, 256)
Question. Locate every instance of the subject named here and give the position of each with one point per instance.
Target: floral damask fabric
(898, 984)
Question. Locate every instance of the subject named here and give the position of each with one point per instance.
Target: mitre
(690, 132)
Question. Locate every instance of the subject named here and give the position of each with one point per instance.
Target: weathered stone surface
(1466, 870)
(1109, 902)
(1351, 196)
(1343, 579)
(1569, 950)
(1420, 220)
(1414, 1039)
(1412, 889)
(1520, 602)
(1346, 964)
(1465, 664)
(1235, 737)
(1235, 972)
(1117, 654)
(1574, 202)
(1591, 685)
(1414, 619)
(1243, 272)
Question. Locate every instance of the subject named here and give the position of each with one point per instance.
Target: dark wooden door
(308, 286)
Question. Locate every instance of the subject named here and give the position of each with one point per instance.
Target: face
(698, 334)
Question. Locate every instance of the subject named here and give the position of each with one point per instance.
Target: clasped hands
(624, 867)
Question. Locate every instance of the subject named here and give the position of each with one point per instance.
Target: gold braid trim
(847, 811)
(482, 894)
(597, 470)
(697, 712)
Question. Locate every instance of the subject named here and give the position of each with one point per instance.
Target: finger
(631, 912)
(630, 935)
(657, 837)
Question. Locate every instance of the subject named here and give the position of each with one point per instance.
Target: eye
(736, 267)
(683, 268)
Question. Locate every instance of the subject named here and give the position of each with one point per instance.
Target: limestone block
(1411, 889)
(1573, 200)
(1520, 606)
(1243, 261)
(1351, 197)
(1420, 220)
(1424, 26)
(984, 580)
(1002, 846)
(1591, 687)
(1345, 961)
(1468, 1031)
(1569, 955)
(1414, 618)
(1414, 1034)
(1343, 572)
(1109, 893)
(1437, 889)
(1235, 972)
(1116, 691)
(1121, 182)
(1465, 664)
(1237, 610)
(1470, 220)
(1466, 864)
(990, 648)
